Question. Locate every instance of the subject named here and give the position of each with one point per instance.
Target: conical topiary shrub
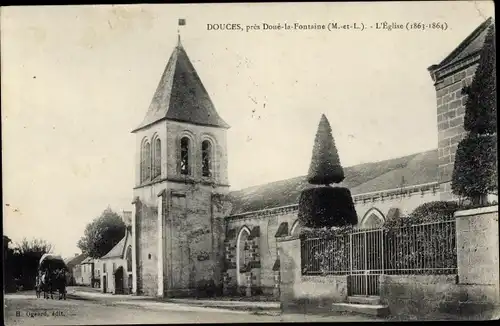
(325, 165)
(323, 205)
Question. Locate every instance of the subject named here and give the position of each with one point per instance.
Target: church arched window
(157, 158)
(145, 161)
(129, 259)
(206, 158)
(185, 155)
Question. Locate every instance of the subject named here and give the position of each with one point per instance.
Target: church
(189, 229)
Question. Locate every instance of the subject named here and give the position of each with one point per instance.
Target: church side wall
(269, 223)
(406, 202)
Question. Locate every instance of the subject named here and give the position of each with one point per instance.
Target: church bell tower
(181, 181)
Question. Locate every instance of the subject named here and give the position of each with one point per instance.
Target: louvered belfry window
(206, 150)
(185, 156)
(146, 162)
(157, 158)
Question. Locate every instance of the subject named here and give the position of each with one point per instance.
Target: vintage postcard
(249, 162)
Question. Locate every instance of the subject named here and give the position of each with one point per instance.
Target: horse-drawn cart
(51, 276)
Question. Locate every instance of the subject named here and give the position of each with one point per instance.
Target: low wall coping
(287, 238)
(477, 211)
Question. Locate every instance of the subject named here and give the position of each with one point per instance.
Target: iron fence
(316, 262)
(428, 248)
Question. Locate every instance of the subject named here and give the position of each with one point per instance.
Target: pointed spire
(180, 95)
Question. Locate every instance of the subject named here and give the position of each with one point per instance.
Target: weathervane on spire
(182, 22)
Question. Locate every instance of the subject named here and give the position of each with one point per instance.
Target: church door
(104, 284)
(119, 280)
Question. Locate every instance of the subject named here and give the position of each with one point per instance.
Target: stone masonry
(450, 76)
(450, 119)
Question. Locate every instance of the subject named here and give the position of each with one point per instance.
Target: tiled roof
(181, 96)
(409, 170)
(471, 44)
(73, 261)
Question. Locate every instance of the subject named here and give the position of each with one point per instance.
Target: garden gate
(366, 262)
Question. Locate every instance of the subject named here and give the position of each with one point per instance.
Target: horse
(38, 284)
(60, 283)
(47, 285)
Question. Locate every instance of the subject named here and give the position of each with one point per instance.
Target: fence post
(349, 281)
(350, 253)
(382, 238)
(366, 264)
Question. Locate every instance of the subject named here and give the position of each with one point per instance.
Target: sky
(77, 79)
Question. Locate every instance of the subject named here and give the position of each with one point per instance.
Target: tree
(325, 165)
(35, 247)
(475, 172)
(25, 258)
(102, 234)
(480, 106)
(475, 169)
(326, 206)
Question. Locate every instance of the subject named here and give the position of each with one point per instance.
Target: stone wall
(264, 246)
(477, 243)
(194, 235)
(146, 241)
(473, 292)
(432, 296)
(305, 294)
(197, 134)
(450, 116)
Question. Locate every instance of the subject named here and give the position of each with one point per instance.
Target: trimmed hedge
(475, 173)
(481, 112)
(428, 212)
(326, 207)
(325, 167)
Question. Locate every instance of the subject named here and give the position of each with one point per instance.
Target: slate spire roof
(181, 96)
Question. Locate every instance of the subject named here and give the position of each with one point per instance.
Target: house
(90, 272)
(75, 269)
(116, 267)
